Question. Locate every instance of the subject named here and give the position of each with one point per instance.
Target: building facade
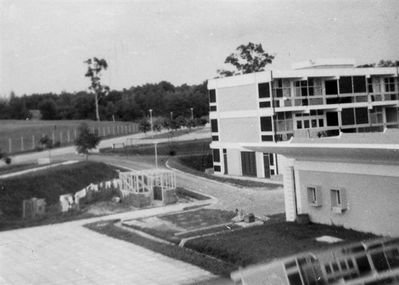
(350, 181)
(313, 100)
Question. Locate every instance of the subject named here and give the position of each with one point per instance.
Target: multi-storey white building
(312, 100)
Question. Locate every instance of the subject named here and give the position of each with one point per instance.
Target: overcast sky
(43, 43)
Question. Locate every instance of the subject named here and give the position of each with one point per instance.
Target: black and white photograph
(195, 142)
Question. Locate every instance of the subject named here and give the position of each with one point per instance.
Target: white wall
(372, 194)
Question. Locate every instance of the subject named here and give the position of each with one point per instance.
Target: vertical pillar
(60, 137)
(9, 145)
(289, 193)
(53, 137)
(33, 142)
(22, 143)
(69, 136)
(74, 134)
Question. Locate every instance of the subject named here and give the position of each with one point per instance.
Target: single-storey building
(351, 180)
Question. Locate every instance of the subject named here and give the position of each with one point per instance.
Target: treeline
(126, 105)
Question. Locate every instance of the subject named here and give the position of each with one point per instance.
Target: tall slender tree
(95, 67)
(247, 59)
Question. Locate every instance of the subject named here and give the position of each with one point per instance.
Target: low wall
(137, 200)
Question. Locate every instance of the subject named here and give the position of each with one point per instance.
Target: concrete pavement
(68, 253)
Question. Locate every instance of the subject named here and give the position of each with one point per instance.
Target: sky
(43, 43)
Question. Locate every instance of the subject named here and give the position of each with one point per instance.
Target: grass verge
(182, 163)
(275, 239)
(208, 263)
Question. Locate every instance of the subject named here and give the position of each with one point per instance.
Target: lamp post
(192, 113)
(171, 116)
(155, 144)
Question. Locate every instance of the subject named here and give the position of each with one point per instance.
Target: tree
(94, 68)
(47, 143)
(144, 125)
(247, 59)
(381, 63)
(86, 140)
(48, 109)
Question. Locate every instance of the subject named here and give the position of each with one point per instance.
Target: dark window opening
(216, 155)
(212, 108)
(333, 100)
(295, 279)
(215, 138)
(266, 124)
(348, 117)
(212, 96)
(370, 85)
(380, 262)
(267, 138)
(332, 118)
(359, 84)
(214, 126)
(264, 104)
(264, 90)
(321, 123)
(391, 115)
(345, 85)
(393, 257)
(271, 159)
(361, 116)
(216, 168)
(363, 265)
(331, 87)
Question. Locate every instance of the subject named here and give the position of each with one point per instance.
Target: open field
(20, 136)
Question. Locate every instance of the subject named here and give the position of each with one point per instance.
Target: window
(389, 84)
(370, 85)
(331, 87)
(212, 96)
(332, 119)
(391, 115)
(264, 105)
(216, 155)
(216, 168)
(348, 117)
(212, 108)
(376, 115)
(264, 91)
(361, 115)
(215, 138)
(314, 195)
(284, 121)
(214, 126)
(267, 138)
(266, 124)
(345, 85)
(359, 84)
(338, 200)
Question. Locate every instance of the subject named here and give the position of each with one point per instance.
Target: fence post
(33, 142)
(22, 143)
(103, 131)
(68, 136)
(9, 145)
(74, 133)
(60, 138)
(53, 137)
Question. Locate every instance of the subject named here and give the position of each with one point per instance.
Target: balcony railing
(334, 99)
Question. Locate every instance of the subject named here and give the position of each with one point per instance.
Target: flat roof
(300, 74)
(380, 148)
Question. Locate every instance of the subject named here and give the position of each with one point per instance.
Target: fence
(17, 143)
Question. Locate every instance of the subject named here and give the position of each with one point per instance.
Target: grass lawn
(64, 132)
(166, 226)
(208, 263)
(191, 163)
(48, 184)
(16, 167)
(170, 148)
(275, 239)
